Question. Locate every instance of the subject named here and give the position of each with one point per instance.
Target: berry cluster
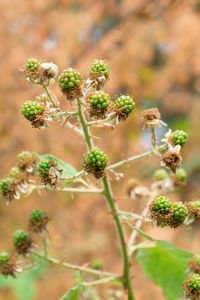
(31, 110)
(162, 204)
(69, 80)
(5, 184)
(192, 287)
(194, 282)
(99, 68)
(22, 242)
(100, 100)
(36, 215)
(180, 212)
(32, 64)
(4, 258)
(124, 105)
(14, 172)
(96, 162)
(44, 167)
(37, 221)
(179, 137)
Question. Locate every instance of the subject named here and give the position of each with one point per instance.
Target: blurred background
(153, 50)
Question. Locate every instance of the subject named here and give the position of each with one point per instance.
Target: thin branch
(69, 190)
(74, 267)
(48, 93)
(132, 216)
(93, 123)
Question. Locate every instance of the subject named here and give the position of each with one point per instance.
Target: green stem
(69, 190)
(74, 267)
(84, 126)
(49, 95)
(93, 123)
(44, 241)
(114, 210)
(135, 157)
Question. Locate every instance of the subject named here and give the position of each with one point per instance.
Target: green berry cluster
(99, 68)
(195, 204)
(179, 137)
(126, 103)
(160, 174)
(197, 258)
(180, 212)
(19, 237)
(44, 167)
(4, 258)
(4, 184)
(181, 174)
(162, 204)
(69, 80)
(36, 215)
(14, 172)
(31, 109)
(100, 100)
(32, 64)
(194, 283)
(96, 159)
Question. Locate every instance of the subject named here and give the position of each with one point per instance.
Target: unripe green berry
(32, 64)
(4, 258)
(31, 110)
(99, 68)
(195, 204)
(180, 212)
(125, 103)
(162, 205)
(4, 184)
(69, 80)
(96, 159)
(44, 167)
(181, 174)
(24, 155)
(194, 283)
(97, 264)
(100, 100)
(19, 237)
(14, 172)
(179, 137)
(197, 258)
(160, 174)
(36, 215)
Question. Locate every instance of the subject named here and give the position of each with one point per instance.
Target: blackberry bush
(179, 137)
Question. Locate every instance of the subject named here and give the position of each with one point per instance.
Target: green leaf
(166, 265)
(73, 293)
(68, 170)
(24, 285)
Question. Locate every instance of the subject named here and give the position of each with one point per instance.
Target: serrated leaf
(73, 293)
(166, 265)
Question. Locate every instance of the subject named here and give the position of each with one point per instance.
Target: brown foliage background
(153, 49)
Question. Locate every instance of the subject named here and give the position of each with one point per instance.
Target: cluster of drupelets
(23, 243)
(191, 285)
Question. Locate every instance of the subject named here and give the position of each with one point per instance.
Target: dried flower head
(151, 118)
(27, 162)
(48, 70)
(172, 159)
(9, 189)
(8, 265)
(37, 221)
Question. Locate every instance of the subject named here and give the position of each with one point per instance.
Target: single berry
(19, 237)
(36, 215)
(14, 172)
(195, 204)
(44, 167)
(181, 174)
(180, 212)
(97, 264)
(160, 174)
(31, 110)
(179, 137)
(100, 100)
(194, 283)
(4, 258)
(96, 159)
(99, 68)
(162, 205)
(32, 64)
(125, 104)
(69, 80)
(5, 184)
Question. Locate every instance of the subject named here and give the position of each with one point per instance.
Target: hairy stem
(69, 190)
(48, 93)
(114, 210)
(74, 267)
